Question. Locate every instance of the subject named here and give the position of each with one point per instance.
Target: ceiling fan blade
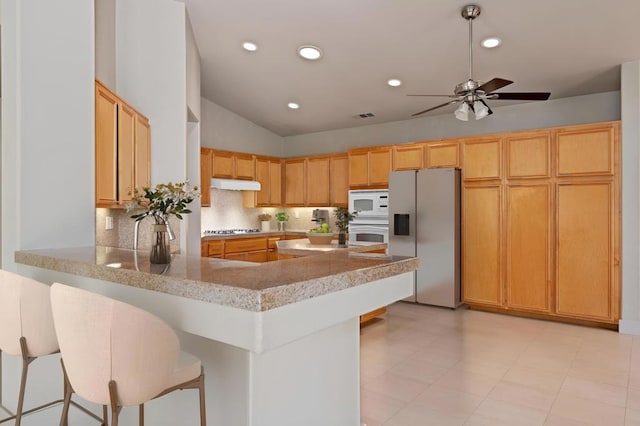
(435, 107)
(523, 96)
(494, 84)
(440, 96)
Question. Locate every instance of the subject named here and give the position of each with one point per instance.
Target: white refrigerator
(424, 221)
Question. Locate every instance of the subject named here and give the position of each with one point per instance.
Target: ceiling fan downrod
(470, 12)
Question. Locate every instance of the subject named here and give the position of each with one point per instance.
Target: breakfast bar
(279, 341)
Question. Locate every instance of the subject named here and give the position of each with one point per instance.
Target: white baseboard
(629, 327)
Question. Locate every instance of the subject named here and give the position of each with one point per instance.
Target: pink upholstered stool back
(102, 339)
(25, 311)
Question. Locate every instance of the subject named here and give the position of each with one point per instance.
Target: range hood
(235, 184)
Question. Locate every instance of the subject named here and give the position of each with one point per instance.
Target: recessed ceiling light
(251, 47)
(311, 53)
(491, 42)
(394, 82)
(293, 105)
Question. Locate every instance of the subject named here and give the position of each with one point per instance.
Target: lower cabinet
(253, 256)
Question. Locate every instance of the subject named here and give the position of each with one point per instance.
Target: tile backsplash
(122, 233)
(227, 212)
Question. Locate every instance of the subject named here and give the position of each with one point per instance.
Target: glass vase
(160, 249)
(342, 239)
(281, 226)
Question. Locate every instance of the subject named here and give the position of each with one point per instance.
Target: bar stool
(117, 354)
(26, 329)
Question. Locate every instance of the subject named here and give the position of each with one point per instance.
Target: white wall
(193, 73)
(151, 76)
(223, 129)
(531, 115)
(48, 125)
(105, 33)
(630, 322)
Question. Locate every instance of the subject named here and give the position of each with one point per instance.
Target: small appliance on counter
(320, 216)
(424, 222)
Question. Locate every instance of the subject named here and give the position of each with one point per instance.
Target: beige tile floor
(423, 366)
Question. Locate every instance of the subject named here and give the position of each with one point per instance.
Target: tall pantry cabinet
(541, 222)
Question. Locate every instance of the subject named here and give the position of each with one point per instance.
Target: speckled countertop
(253, 234)
(250, 286)
(303, 247)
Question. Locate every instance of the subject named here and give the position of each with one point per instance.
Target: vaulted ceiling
(567, 47)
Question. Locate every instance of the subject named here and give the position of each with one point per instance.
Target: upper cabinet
(232, 165)
(369, 167)
(528, 155)
(442, 154)
(339, 180)
(585, 151)
(122, 149)
(294, 175)
(482, 158)
(408, 157)
(318, 181)
(268, 171)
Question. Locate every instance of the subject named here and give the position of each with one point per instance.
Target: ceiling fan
(471, 94)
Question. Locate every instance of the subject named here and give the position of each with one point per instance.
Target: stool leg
(68, 390)
(203, 411)
(105, 419)
(23, 379)
(141, 415)
(115, 409)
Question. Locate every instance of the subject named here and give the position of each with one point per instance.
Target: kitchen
(77, 211)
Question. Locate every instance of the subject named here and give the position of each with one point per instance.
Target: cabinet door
(244, 167)
(262, 176)
(339, 184)
(106, 146)
(275, 183)
(126, 137)
(584, 256)
(206, 157)
(408, 157)
(481, 245)
(294, 171)
(528, 155)
(528, 247)
(254, 256)
(482, 159)
(442, 154)
(223, 165)
(317, 181)
(142, 153)
(358, 168)
(587, 151)
(379, 167)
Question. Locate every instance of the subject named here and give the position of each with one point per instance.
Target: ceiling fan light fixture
(462, 112)
(491, 42)
(480, 109)
(310, 53)
(249, 46)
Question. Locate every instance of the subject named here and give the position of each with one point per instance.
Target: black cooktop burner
(230, 231)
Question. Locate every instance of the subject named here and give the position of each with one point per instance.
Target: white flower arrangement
(162, 201)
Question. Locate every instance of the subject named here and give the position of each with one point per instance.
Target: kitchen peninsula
(279, 340)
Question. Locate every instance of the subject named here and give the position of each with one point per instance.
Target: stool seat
(186, 369)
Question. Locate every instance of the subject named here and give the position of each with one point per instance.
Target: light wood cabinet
(106, 128)
(339, 180)
(232, 165)
(528, 155)
(318, 181)
(294, 172)
(370, 167)
(408, 157)
(268, 172)
(482, 159)
(482, 251)
(585, 151)
(528, 257)
(442, 154)
(585, 250)
(122, 149)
